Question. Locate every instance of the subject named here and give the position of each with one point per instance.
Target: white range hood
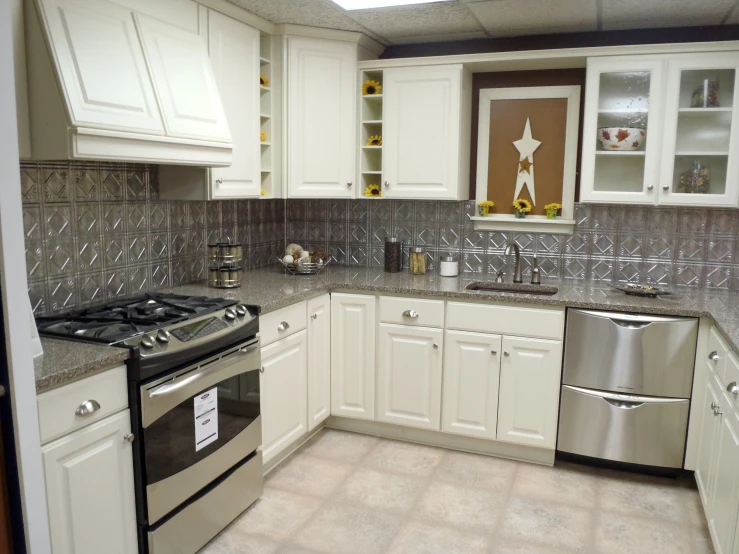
(107, 83)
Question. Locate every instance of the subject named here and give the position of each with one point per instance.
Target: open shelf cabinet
(370, 125)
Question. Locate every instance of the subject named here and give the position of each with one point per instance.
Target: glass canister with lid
(417, 260)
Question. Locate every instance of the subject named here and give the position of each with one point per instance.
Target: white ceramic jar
(448, 266)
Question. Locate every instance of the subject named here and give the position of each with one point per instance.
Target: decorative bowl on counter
(621, 138)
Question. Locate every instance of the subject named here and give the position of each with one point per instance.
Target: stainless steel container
(225, 264)
(417, 260)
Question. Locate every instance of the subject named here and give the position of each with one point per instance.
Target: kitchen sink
(516, 288)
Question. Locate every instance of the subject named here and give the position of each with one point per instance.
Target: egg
(288, 259)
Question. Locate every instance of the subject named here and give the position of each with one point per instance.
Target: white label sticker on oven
(206, 418)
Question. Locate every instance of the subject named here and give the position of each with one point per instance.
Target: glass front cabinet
(661, 130)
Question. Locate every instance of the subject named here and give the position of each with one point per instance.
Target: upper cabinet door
(699, 156)
(101, 65)
(421, 136)
(184, 81)
(234, 53)
(622, 130)
(321, 108)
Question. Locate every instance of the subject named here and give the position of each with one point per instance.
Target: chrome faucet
(517, 264)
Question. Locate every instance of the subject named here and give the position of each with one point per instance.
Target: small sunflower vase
(552, 210)
(371, 87)
(483, 208)
(521, 207)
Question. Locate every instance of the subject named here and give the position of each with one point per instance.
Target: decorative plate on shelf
(641, 290)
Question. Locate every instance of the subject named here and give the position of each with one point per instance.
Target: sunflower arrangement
(552, 209)
(264, 193)
(263, 80)
(371, 87)
(262, 136)
(374, 140)
(483, 207)
(373, 191)
(521, 207)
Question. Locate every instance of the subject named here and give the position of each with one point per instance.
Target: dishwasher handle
(628, 400)
(632, 320)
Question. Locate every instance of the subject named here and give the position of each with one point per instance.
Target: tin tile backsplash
(97, 231)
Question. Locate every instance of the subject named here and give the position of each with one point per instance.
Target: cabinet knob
(650, 187)
(387, 184)
(413, 314)
(732, 388)
(506, 353)
(261, 369)
(713, 356)
(219, 181)
(314, 316)
(436, 345)
(717, 411)
(493, 352)
(665, 187)
(87, 407)
(349, 183)
(129, 437)
(283, 326)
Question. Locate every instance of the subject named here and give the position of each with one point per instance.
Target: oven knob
(240, 310)
(230, 314)
(163, 336)
(147, 341)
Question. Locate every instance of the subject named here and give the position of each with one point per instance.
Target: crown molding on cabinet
(239, 14)
(330, 34)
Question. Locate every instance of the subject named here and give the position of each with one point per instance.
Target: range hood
(107, 83)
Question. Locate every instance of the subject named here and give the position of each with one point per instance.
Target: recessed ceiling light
(368, 4)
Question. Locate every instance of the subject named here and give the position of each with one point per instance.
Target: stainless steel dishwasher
(626, 387)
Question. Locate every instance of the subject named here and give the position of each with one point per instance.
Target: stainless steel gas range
(195, 407)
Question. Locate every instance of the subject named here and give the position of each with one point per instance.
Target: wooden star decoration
(526, 146)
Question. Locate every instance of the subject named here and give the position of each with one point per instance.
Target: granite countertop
(271, 289)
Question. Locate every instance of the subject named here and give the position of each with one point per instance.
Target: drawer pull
(87, 407)
(732, 388)
(129, 437)
(283, 326)
(713, 356)
(413, 314)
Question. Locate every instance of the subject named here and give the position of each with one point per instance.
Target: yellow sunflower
(262, 136)
(522, 205)
(264, 193)
(374, 140)
(373, 191)
(553, 206)
(263, 80)
(371, 87)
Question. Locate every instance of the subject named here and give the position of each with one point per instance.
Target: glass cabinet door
(699, 151)
(622, 105)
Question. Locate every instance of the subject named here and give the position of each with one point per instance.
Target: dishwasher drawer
(630, 353)
(624, 428)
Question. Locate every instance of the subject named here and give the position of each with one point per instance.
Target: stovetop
(122, 319)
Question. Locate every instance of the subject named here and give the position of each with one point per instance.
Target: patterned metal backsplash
(692, 247)
(98, 231)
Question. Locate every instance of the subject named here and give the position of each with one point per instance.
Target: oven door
(191, 436)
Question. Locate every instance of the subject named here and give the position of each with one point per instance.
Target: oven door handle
(169, 388)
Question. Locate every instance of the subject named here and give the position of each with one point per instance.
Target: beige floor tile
(309, 476)
(405, 457)
(628, 497)
(505, 545)
(547, 524)
(233, 542)
(343, 528)
(386, 491)
(340, 446)
(475, 470)
(420, 538)
(461, 507)
(566, 486)
(277, 515)
(701, 537)
(616, 534)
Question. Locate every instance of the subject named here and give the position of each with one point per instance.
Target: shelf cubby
(370, 117)
(265, 115)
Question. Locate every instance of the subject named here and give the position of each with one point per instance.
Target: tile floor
(354, 494)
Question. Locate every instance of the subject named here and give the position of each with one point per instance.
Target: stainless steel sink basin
(516, 288)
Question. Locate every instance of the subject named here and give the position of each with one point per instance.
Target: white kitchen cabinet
(701, 137)
(409, 376)
(425, 142)
(704, 473)
(470, 389)
(90, 489)
(321, 118)
(319, 360)
(722, 519)
(283, 384)
(528, 404)
(353, 355)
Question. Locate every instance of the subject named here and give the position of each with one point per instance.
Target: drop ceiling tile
(439, 38)
(314, 13)
(633, 14)
(420, 20)
(527, 17)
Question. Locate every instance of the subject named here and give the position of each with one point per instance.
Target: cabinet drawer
(731, 381)
(107, 393)
(282, 323)
(412, 311)
(506, 320)
(718, 353)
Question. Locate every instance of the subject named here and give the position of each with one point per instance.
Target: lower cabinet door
(529, 391)
(90, 491)
(284, 393)
(319, 360)
(704, 466)
(409, 376)
(724, 512)
(470, 390)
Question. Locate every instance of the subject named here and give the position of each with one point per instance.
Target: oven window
(169, 442)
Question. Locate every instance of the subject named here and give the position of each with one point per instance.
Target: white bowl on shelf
(621, 138)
